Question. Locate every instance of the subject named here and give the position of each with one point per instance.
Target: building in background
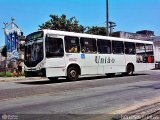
(140, 35)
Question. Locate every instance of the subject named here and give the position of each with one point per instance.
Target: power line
(107, 17)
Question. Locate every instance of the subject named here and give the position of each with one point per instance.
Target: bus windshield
(34, 49)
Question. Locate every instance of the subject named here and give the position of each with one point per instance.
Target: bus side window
(54, 47)
(117, 47)
(141, 53)
(130, 48)
(88, 45)
(104, 46)
(72, 44)
(149, 53)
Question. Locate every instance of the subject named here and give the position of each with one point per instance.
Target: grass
(2, 74)
(6, 74)
(9, 74)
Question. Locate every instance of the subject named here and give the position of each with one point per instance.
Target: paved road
(87, 98)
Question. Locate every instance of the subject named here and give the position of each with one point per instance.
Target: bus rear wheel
(130, 70)
(72, 74)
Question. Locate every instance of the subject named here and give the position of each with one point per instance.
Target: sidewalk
(148, 112)
(8, 79)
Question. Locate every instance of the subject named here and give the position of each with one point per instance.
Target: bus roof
(57, 32)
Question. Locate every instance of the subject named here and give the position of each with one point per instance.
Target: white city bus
(55, 54)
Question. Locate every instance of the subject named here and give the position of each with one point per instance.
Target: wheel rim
(72, 74)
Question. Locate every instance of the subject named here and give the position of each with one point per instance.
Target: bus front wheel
(72, 74)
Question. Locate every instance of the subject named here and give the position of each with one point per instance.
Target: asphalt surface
(90, 98)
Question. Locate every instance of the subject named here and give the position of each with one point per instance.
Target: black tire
(72, 74)
(130, 70)
(110, 74)
(53, 78)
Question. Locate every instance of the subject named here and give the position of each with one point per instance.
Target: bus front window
(33, 51)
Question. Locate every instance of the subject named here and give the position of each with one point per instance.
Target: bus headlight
(41, 66)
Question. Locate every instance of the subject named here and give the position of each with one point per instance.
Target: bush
(2, 74)
(8, 74)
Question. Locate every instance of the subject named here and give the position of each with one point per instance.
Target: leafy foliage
(71, 25)
(2, 74)
(62, 23)
(8, 74)
(96, 30)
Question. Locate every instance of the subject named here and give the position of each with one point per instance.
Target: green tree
(4, 51)
(72, 25)
(96, 30)
(64, 24)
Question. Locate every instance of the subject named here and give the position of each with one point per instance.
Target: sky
(129, 15)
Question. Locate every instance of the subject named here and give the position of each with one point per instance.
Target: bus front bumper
(37, 73)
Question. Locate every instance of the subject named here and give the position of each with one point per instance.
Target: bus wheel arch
(130, 69)
(73, 72)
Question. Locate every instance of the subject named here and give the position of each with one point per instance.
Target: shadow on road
(63, 80)
(153, 86)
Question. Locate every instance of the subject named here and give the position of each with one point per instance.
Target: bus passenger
(73, 49)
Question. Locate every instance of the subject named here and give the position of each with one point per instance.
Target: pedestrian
(19, 67)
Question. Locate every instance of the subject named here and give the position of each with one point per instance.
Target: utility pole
(107, 17)
(111, 26)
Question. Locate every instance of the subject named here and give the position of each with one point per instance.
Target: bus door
(88, 56)
(54, 50)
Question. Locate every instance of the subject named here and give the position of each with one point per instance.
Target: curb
(9, 79)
